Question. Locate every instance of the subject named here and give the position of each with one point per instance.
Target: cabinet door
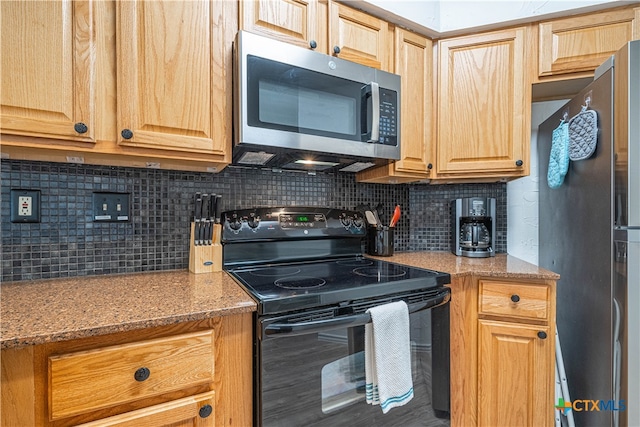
(48, 69)
(358, 36)
(516, 374)
(195, 411)
(293, 21)
(582, 43)
(484, 105)
(414, 62)
(171, 70)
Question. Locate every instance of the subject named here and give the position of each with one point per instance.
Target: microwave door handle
(375, 116)
(304, 328)
(372, 90)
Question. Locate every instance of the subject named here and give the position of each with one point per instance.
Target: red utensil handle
(396, 216)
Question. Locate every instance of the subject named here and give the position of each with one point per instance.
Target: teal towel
(559, 157)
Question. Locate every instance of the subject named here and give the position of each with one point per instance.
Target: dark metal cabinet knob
(336, 50)
(80, 127)
(205, 411)
(515, 298)
(519, 163)
(313, 44)
(542, 335)
(142, 374)
(429, 166)
(126, 133)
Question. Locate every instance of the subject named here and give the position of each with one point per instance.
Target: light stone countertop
(42, 311)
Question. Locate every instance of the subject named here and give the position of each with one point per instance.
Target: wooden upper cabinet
(358, 37)
(299, 22)
(484, 105)
(414, 63)
(48, 69)
(171, 70)
(582, 43)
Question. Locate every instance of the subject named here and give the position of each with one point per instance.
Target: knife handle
(216, 208)
(197, 217)
(211, 220)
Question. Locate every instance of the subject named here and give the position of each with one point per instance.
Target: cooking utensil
(206, 213)
(216, 208)
(371, 218)
(396, 216)
(379, 209)
(377, 217)
(203, 219)
(197, 217)
(211, 219)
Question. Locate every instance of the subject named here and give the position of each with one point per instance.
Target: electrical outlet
(110, 207)
(25, 205)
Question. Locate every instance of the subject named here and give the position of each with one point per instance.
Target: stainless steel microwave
(299, 109)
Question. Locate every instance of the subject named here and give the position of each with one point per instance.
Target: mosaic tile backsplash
(68, 243)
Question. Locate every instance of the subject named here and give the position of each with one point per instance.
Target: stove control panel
(291, 223)
(302, 220)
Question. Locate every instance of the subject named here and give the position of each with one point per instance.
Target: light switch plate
(25, 205)
(110, 207)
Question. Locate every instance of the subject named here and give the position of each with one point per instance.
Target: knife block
(206, 258)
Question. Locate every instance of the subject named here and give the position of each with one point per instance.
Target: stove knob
(358, 222)
(234, 222)
(253, 221)
(345, 220)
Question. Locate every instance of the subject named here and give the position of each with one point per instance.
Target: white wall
(522, 194)
(437, 18)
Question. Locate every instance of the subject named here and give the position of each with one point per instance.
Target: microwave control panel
(388, 117)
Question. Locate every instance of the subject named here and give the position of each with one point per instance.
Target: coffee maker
(473, 227)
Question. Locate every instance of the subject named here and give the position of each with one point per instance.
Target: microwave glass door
(294, 99)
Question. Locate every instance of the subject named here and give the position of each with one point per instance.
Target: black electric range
(305, 268)
(297, 258)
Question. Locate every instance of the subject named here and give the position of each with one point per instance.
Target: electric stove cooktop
(312, 284)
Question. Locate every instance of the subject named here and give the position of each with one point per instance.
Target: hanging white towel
(388, 356)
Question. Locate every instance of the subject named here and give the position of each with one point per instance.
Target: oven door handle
(304, 328)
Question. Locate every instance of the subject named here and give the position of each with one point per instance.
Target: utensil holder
(380, 241)
(206, 258)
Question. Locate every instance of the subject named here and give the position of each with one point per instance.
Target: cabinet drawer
(194, 411)
(84, 381)
(514, 300)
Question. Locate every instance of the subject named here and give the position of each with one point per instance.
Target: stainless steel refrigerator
(589, 233)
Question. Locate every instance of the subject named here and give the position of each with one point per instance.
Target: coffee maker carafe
(473, 227)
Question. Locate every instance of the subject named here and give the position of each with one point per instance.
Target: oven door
(311, 372)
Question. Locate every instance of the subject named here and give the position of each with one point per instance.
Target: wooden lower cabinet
(502, 352)
(514, 366)
(190, 374)
(196, 411)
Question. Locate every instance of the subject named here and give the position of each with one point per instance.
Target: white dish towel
(387, 353)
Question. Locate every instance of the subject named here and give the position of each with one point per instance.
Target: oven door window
(318, 378)
(294, 99)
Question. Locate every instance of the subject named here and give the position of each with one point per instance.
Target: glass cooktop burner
(275, 271)
(300, 282)
(383, 271)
